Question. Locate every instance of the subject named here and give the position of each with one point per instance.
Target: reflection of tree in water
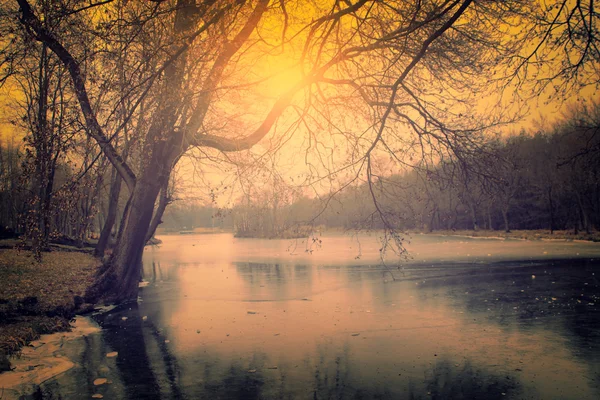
(133, 363)
(293, 281)
(337, 376)
(558, 295)
(148, 369)
(154, 272)
(466, 382)
(325, 376)
(236, 383)
(281, 281)
(507, 293)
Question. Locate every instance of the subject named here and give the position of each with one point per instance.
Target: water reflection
(211, 325)
(446, 381)
(128, 339)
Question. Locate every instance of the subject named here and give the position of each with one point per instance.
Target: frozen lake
(226, 318)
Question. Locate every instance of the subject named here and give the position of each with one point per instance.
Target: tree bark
(113, 205)
(163, 202)
(119, 278)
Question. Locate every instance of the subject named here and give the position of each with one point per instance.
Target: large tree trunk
(163, 202)
(113, 205)
(120, 276)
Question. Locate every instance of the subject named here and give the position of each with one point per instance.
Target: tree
(507, 163)
(46, 114)
(564, 53)
(173, 126)
(409, 73)
(12, 198)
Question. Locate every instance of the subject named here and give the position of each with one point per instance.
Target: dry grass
(54, 282)
(38, 298)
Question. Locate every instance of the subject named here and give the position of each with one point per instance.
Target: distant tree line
(547, 179)
(187, 216)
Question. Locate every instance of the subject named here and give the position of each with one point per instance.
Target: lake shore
(40, 298)
(538, 234)
(45, 358)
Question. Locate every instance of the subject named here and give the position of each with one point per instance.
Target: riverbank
(521, 234)
(40, 298)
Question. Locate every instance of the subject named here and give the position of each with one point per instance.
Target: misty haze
(324, 199)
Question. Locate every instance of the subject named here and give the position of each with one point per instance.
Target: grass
(38, 298)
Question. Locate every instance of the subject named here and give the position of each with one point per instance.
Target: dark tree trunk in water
(113, 205)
